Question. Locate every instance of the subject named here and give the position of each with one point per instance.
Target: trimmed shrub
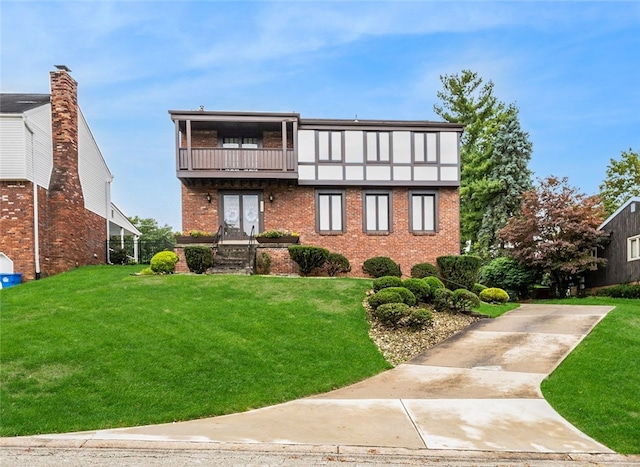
(419, 288)
(464, 300)
(434, 283)
(164, 262)
(386, 281)
(391, 314)
(442, 299)
(263, 263)
(337, 264)
(508, 274)
(384, 296)
(118, 256)
(494, 295)
(419, 318)
(406, 295)
(477, 288)
(308, 257)
(422, 270)
(147, 272)
(199, 258)
(459, 271)
(620, 291)
(381, 266)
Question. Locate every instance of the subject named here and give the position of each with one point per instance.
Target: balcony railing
(224, 162)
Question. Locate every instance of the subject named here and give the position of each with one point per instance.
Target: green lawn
(597, 388)
(98, 348)
(495, 310)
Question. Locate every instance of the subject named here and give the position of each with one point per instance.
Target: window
(329, 145)
(377, 146)
(234, 143)
(330, 212)
(423, 212)
(377, 212)
(633, 248)
(425, 147)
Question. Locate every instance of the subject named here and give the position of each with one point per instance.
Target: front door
(240, 215)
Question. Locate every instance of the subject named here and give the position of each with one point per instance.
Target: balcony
(236, 163)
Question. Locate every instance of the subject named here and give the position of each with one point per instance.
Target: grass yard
(496, 310)
(597, 388)
(99, 348)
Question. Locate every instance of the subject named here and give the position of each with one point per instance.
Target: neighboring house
(55, 187)
(622, 251)
(362, 188)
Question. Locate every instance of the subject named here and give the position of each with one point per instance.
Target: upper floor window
(423, 212)
(330, 211)
(377, 146)
(329, 145)
(425, 147)
(377, 211)
(633, 248)
(248, 143)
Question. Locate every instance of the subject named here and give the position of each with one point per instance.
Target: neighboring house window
(423, 213)
(329, 146)
(248, 143)
(330, 211)
(377, 146)
(377, 212)
(633, 248)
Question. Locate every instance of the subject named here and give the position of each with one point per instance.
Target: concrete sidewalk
(478, 391)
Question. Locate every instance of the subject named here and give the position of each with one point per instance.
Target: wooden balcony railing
(224, 162)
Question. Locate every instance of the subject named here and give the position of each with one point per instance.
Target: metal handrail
(217, 238)
(251, 242)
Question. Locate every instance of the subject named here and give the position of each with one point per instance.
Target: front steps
(233, 259)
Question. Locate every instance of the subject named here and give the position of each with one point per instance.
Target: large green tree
(556, 232)
(484, 183)
(151, 231)
(622, 181)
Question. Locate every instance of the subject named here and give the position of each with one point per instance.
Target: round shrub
(421, 270)
(337, 264)
(147, 272)
(199, 258)
(419, 318)
(508, 274)
(406, 294)
(386, 281)
(263, 263)
(419, 288)
(164, 262)
(118, 256)
(464, 300)
(442, 299)
(308, 257)
(384, 296)
(459, 271)
(434, 283)
(494, 295)
(391, 314)
(477, 288)
(381, 266)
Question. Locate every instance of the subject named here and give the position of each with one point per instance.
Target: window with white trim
(423, 212)
(330, 211)
(377, 211)
(633, 248)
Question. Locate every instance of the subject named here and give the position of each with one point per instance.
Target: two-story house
(55, 187)
(362, 188)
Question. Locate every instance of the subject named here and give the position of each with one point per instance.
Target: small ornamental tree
(459, 271)
(556, 232)
(308, 257)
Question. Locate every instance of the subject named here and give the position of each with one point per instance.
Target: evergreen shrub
(508, 274)
(337, 264)
(464, 300)
(494, 295)
(419, 288)
(477, 288)
(263, 263)
(391, 314)
(419, 318)
(434, 283)
(459, 271)
(620, 291)
(118, 256)
(308, 257)
(422, 270)
(199, 258)
(164, 262)
(407, 296)
(442, 299)
(381, 266)
(384, 296)
(386, 281)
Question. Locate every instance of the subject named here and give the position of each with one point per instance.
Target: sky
(572, 68)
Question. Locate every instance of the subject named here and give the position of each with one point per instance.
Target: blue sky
(573, 69)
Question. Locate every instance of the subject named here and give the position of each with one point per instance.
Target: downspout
(36, 210)
(107, 186)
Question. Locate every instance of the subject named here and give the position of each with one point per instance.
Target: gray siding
(93, 171)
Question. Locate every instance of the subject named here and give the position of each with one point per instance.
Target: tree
(508, 178)
(484, 182)
(556, 232)
(622, 181)
(151, 231)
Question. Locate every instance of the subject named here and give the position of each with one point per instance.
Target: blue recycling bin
(9, 280)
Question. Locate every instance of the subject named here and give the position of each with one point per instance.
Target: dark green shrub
(384, 296)
(263, 263)
(419, 318)
(386, 281)
(421, 270)
(118, 256)
(434, 283)
(459, 271)
(164, 262)
(508, 274)
(620, 291)
(308, 257)
(494, 295)
(199, 258)
(381, 266)
(477, 288)
(391, 314)
(337, 264)
(442, 299)
(419, 288)
(464, 300)
(406, 295)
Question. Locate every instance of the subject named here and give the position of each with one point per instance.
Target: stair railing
(252, 239)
